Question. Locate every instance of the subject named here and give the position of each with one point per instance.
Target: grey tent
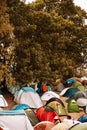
(78, 95)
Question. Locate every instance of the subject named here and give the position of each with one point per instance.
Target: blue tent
(20, 107)
(83, 118)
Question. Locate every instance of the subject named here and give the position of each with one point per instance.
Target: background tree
(51, 36)
(6, 44)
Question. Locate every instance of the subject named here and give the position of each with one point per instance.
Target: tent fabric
(83, 118)
(78, 85)
(55, 99)
(14, 120)
(46, 114)
(64, 91)
(79, 126)
(44, 125)
(20, 107)
(62, 126)
(78, 95)
(57, 105)
(81, 102)
(72, 106)
(48, 95)
(70, 81)
(28, 96)
(32, 116)
(70, 91)
(60, 87)
(3, 102)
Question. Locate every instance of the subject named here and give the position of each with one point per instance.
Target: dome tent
(46, 113)
(57, 105)
(44, 125)
(72, 106)
(81, 126)
(69, 92)
(29, 96)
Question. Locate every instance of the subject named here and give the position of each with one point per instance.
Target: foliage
(52, 38)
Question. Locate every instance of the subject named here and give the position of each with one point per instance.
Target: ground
(9, 98)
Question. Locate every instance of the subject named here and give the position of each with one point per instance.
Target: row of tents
(39, 116)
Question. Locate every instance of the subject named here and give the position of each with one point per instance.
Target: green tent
(72, 106)
(58, 107)
(81, 126)
(78, 85)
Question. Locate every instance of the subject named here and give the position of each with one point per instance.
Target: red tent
(46, 113)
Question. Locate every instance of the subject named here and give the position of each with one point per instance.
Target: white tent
(29, 96)
(14, 120)
(3, 102)
(48, 95)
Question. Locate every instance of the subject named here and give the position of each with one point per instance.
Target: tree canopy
(51, 36)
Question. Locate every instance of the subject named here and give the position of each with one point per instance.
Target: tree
(6, 44)
(51, 38)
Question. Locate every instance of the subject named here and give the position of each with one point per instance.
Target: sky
(81, 3)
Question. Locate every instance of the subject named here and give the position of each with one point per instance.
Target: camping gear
(72, 106)
(29, 112)
(32, 116)
(62, 126)
(70, 82)
(83, 118)
(78, 95)
(29, 96)
(20, 107)
(44, 125)
(14, 120)
(48, 95)
(3, 102)
(79, 126)
(59, 87)
(58, 106)
(69, 92)
(46, 113)
(78, 85)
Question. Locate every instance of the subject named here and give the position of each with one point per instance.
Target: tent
(78, 95)
(29, 112)
(48, 95)
(72, 106)
(46, 113)
(3, 102)
(12, 89)
(32, 116)
(14, 120)
(69, 92)
(59, 87)
(83, 118)
(20, 107)
(44, 125)
(62, 126)
(81, 126)
(57, 105)
(78, 85)
(29, 96)
(63, 91)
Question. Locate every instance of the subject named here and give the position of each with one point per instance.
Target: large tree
(6, 44)
(51, 36)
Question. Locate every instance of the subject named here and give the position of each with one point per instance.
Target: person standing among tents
(39, 86)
